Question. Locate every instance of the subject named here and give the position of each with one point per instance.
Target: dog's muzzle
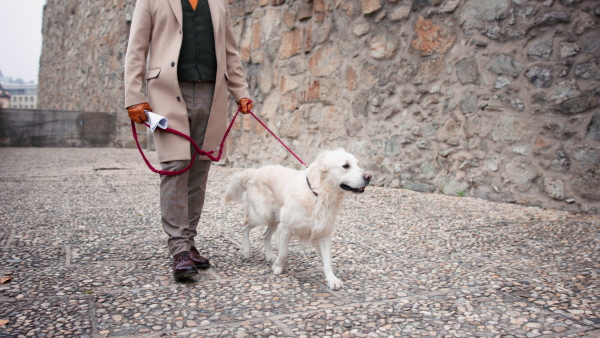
(360, 190)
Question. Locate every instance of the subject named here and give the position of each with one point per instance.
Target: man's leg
(198, 101)
(174, 216)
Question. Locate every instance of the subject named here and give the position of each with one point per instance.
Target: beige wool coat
(152, 54)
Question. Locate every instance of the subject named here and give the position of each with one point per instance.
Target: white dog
(302, 203)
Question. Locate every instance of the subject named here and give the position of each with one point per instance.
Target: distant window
(26, 98)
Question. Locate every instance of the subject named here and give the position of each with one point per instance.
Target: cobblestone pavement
(80, 236)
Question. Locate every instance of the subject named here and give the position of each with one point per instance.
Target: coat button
(178, 99)
(172, 64)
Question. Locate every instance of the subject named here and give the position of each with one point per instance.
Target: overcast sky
(21, 38)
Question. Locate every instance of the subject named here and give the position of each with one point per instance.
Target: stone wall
(496, 99)
(51, 128)
(81, 66)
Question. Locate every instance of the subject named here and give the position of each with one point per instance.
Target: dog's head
(337, 169)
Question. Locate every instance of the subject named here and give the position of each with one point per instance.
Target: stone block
(587, 184)
(449, 6)
(382, 46)
(473, 126)
(292, 125)
(468, 103)
(593, 129)
(569, 49)
(351, 79)
(332, 123)
(558, 130)
(312, 93)
(451, 185)
(361, 29)
(287, 84)
(501, 82)
(540, 50)
(583, 22)
(580, 104)
(555, 188)
(477, 14)
(552, 19)
(429, 70)
(521, 174)
(289, 18)
(512, 128)
(370, 6)
(417, 186)
(268, 109)
(590, 44)
(400, 13)
(504, 64)
(467, 71)
(291, 44)
(540, 77)
(589, 70)
(563, 91)
(586, 158)
(265, 79)
(432, 38)
(324, 61)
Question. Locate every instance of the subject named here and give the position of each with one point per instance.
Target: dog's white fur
(276, 196)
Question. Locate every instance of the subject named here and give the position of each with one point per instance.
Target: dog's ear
(319, 163)
(316, 172)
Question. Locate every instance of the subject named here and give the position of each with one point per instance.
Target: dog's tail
(238, 185)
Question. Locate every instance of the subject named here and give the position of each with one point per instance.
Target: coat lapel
(177, 10)
(215, 14)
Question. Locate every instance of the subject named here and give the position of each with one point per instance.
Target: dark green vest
(197, 60)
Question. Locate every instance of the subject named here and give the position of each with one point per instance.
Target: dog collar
(310, 187)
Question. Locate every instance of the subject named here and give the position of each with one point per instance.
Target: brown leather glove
(245, 105)
(137, 112)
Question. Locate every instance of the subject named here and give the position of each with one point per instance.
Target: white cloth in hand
(156, 120)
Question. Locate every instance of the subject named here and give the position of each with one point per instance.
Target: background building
(4, 98)
(23, 95)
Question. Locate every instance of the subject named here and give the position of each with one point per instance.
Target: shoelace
(182, 256)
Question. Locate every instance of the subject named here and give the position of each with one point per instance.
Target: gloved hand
(137, 112)
(245, 105)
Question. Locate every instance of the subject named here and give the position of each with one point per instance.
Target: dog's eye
(346, 166)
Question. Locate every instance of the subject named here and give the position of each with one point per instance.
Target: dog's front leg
(284, 240)
(267, 243)
(325, 249)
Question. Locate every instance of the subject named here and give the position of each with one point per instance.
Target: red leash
(199, 151)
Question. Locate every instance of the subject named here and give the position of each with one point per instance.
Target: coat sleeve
(137, 51)
(236, 84)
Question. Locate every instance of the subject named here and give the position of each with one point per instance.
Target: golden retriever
(301, 203)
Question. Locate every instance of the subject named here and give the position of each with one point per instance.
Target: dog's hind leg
(284, 239)
(271, 228)
(246, 240)
(324, 246)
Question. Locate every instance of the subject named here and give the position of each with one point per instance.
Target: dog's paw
(245, 252)
(271, 257)
(334, 284)
(277, 270)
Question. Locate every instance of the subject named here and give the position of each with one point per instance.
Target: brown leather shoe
(199, 261)
(183, 267)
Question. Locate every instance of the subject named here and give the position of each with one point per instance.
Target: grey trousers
(182, 196)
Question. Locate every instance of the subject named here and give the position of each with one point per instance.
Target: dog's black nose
(368, 177)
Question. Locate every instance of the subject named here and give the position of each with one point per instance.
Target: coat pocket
(152, 73)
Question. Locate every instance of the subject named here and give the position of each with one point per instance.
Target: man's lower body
(182, 196)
